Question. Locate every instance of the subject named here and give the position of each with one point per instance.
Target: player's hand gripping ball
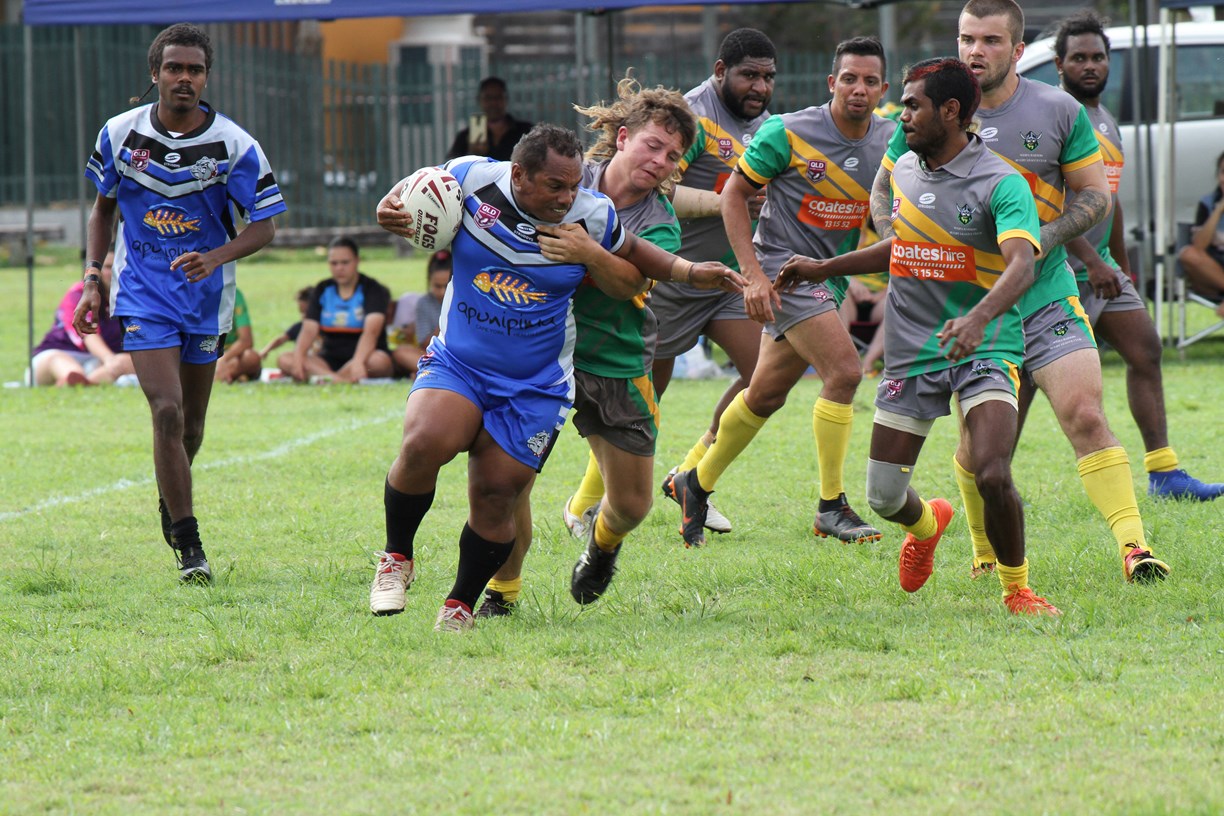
(434, 199)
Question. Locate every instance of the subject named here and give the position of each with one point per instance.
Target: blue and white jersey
(178, 194)
(507, 310)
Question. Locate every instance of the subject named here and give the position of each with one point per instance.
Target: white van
(1198, 137)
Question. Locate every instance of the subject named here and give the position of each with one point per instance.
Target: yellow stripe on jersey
(1048, 198)
(717, 139)
(1084, 162)
(914, 226)
(1114, 161)
(835, 183)
(1019, 233)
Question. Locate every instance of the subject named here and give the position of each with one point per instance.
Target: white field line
(246, 459)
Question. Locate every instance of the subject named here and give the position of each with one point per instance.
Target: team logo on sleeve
(487, 215)
(140, 159)
(204, 169)
(726, 148)
(815, 170)
(1030, 140)
(964, 213)
(508, 289)
(170, 222)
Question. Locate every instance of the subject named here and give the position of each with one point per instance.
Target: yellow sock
(1159, 460)
(831, 427)
(1012, 578)
(697, 452)
(926, 525)
(1107, 478)
(605, 538)
(736, 429)
(975, 515)
(590, 491)
(509, 589)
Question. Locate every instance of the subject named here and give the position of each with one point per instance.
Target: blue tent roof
(100, 12)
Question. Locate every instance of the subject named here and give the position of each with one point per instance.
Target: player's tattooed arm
(1088, 208)
(881, 203)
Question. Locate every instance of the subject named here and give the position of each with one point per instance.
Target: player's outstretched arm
(961, 337)
(1089, 207)
(863, 261)
(659, 264)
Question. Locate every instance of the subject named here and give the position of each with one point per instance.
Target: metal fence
(338, 135)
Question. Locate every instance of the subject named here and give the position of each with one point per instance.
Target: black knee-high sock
(404, 513)
(479, 560)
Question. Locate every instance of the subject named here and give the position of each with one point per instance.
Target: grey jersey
(819, 184)
(721, 140)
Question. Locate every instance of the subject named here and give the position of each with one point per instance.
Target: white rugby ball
(435, 200)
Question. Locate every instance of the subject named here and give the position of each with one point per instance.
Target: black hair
(305, 293)
(440, 261)
(345, 242)
(1085, 21)
(861, 47)
(185, 34)
(947, 78)
(745, 43)
(531, 152)
(491, 81)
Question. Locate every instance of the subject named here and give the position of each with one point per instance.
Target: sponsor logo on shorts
(140, 159)
(487, 215)
(892, 389)
(538, 443)
(982, 367)
(170, 222)
(726, 148)
(820, 295)
(133, 328)
(209, 344)
(204, 169)
(964, 213)
(1060, 328)
(815, 170)
(1030, 140)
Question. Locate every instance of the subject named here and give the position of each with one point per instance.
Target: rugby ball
(435, 200)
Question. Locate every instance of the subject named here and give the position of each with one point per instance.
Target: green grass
(770, 672)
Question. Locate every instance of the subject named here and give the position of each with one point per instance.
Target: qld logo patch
(726, 148)
(1030, 140)
(508, 289)
(896, 208)
(140, 160)
(816, 170)
(487, 215)
(170, 222)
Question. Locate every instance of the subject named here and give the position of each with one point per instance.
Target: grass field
(768, 673)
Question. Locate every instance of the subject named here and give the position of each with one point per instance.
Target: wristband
(94, 279)
(92, 264)
(683, 275)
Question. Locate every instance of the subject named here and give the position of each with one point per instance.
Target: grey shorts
(1128, 299)
(804, 301)
(929, 396)
(684, 312)
(1055, 330)
(622, 411)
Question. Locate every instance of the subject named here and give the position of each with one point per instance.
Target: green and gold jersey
(948, 225)
(1043, 133)
(616, 338)
(241, 318)
(1105, 128)
(721, 140)
(819, 184)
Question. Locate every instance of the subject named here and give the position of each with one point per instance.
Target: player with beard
(818, 164)
(1045, 133)
(1102, 269)
(730, 106)
(965, 233)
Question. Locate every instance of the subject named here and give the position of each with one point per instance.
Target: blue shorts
(140, 334)
(523, 419)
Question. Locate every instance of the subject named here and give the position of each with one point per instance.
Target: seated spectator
(67, 358)
(416, 328)
(1203, 257)
(240, 362)
(290, 334)
(493, 132)
(349, 312)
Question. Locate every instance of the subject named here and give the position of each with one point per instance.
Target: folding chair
(1187, 296)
